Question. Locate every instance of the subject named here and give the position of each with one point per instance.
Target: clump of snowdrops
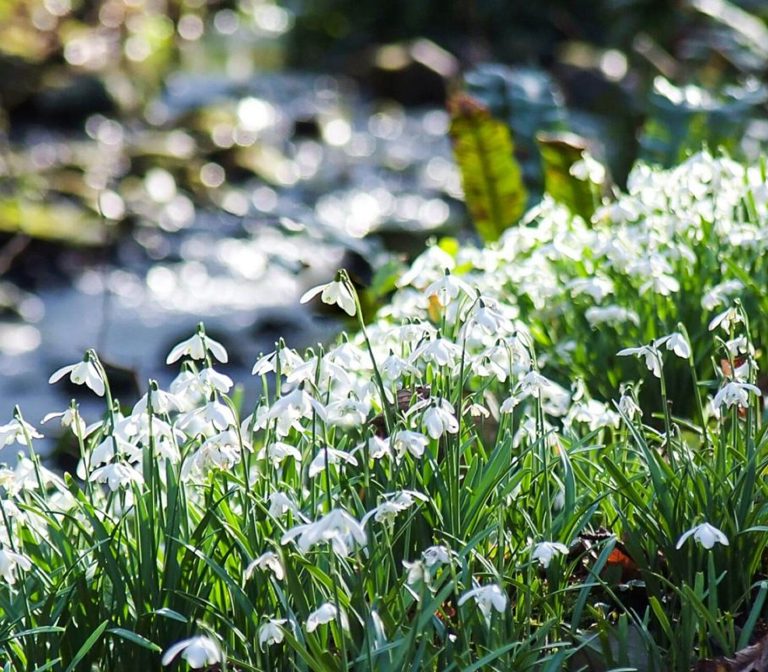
(431, 493)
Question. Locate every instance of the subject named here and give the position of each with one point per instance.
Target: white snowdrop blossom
(487, 598)
(70, 418)
(394, 504)
(649, 353)
(393, 368)
(628, 406)
(675, 342)
(11, 563)
(325, 613)
(510, 403)
(534, 384)
(335, 292)
(545, 551)
(440, 418)
(278, 451)
(200, 651)
(220, 451)
(28, 476)
(719, 294)
(329, 456)
(448, 288)
(597, 288)
(705, 534)
(286, 358)
(378, 447)
(337, 527)
(438, 351)
(213, 380)
(406, 441)
(735, 393)
(195, 347)
(280, 504)
(117, 475)
(271, 632)
(437, 555)
(84, 372)
(266, 561)
(17, 430)
(588, 169)
(292, 407)
(726, 319)
(162, 402)
(612, 315)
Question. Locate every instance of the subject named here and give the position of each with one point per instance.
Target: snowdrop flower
(735, 393)
(438, 351)
(280, 504)
(628, 406)
(593, 413)
(291, 408)
(533, 384)
(213, 380)
(596, 287)
(439, 418)
(70, 418)
(325, 613)
(336, 292)
(588, 169)
(347, 412)
(269, 560)
(393, 368)
(84, 372)
(338, 527)
(117, 475)
(612, 315)
(417, 572)
(726, 319)
(28, 476)
(545, 551)
(287, 358)
(388, 510)
(447, 288)
(17, 431)
(429, 264)
(377, 447)
(10, 563)
(406, 441)
(329, 456)
(199, 651)
(114, 445)
(651, 355)
(510, 403)
(162, 402)
(196, 347)
(271, 632)
(487, 598)
(437, 555)
(277, 452)
(221, 451)
(720, 293)
(675, 342)
(705, 534)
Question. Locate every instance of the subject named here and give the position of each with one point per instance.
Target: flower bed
(472, 481)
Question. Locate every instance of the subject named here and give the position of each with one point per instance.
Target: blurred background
(167, 161)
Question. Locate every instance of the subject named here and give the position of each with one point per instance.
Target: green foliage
(559, 153)
(490, 175)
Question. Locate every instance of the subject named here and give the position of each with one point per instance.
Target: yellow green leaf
(490, 175)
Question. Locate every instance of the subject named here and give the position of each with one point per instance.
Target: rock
(412, 73)
(65, 100)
